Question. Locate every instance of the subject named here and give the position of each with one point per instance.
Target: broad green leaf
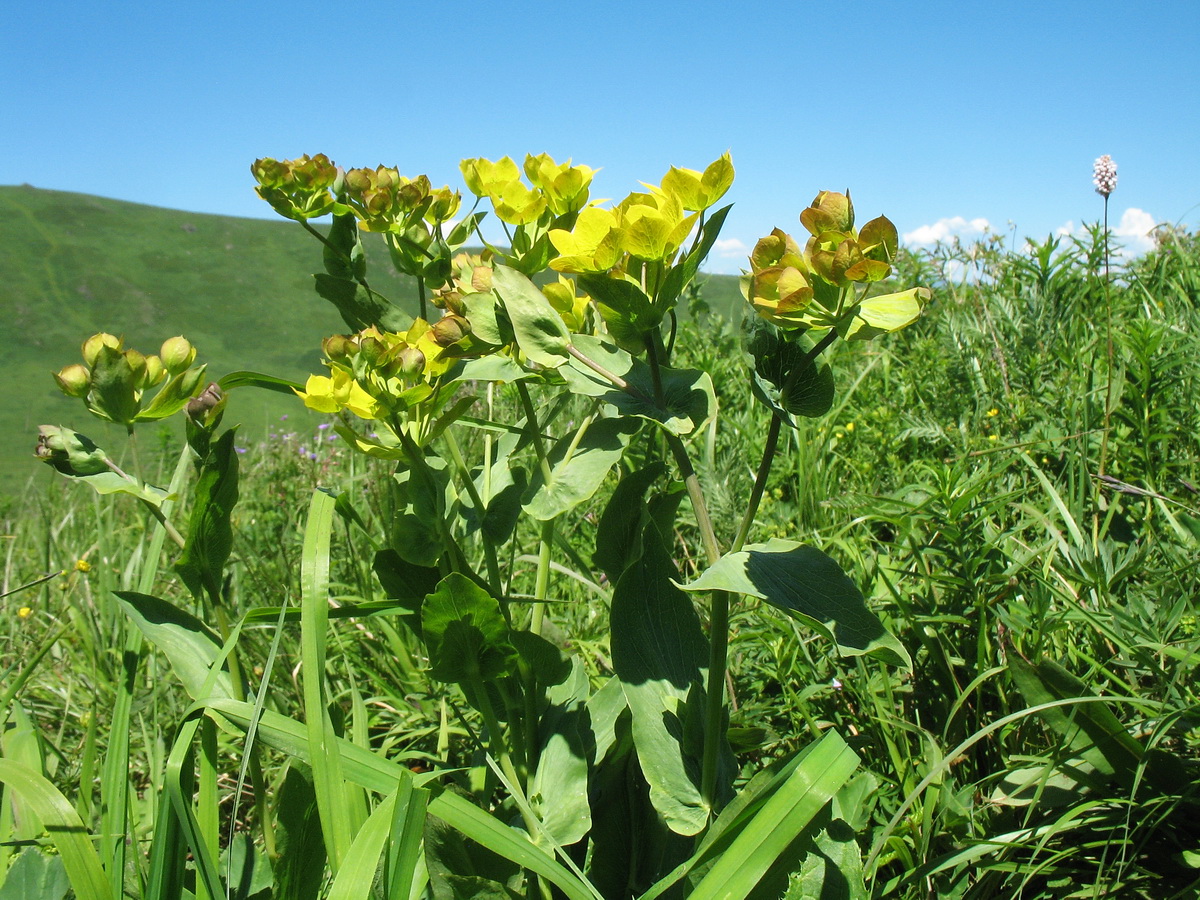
(806, 583)
(36, 875)
(825, 767)
(210, 532)
(621, 521)
(688, 399)
(299, 865)
(343, 251)
(67, 831)
(541, 333)
(885, 313)
(1091, 731)
(465, 632)
(785, 379)
(578, 468)
(659, 652)
(188, 644)
(113, 393)
(625, 308)
(407, 582)
(559, 789)
(361, 308)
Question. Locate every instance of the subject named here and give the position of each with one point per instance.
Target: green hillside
(240, 289)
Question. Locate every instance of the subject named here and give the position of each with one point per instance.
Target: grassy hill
(239, 289)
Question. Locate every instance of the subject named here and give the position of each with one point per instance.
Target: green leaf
(343, 253)
(579, 467)
(35, 875)
(361, 308)
(172, 396)
(188, 644)
(1091, 731)
(465, 632)
(300, 862)
(625, 308)
(825, 767)
(616, 535)
(879, 315)
(806, 583)
(373, 772)
(256, 379)
(541, 333)
(558, 792)
(113, 394)
(210, 532)
(67, 831)
(682, 274)
(785, 379)
(688, 397)
(407, 582)
(659, 652)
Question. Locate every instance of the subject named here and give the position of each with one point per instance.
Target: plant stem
(489, 552)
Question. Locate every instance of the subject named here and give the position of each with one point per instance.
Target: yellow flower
(992, 437)
(993, 412)
(24, 612)
(82, 565)
(849, 426)
(330, 394)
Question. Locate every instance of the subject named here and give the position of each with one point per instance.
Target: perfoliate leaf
(688, 398)
(806, 583)
(576, 478)
(885, 313)
(465, 632)
(785, 380)
(541, 333)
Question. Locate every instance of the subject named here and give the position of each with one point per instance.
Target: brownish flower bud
(450, 329)
(412, 362)
(339, 347)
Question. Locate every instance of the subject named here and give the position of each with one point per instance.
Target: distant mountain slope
(240, 289)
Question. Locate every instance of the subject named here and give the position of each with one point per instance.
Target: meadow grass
(1045, 744)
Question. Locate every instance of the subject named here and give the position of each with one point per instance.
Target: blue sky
(942, 116)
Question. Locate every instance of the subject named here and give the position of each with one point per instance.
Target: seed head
(1104, 175)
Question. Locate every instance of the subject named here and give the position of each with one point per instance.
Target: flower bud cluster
(785, 281)
(384, 200)
(376, 373)
(297, 189)
(1104, 175)
(114, 378)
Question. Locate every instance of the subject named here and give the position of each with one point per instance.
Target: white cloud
(1134, 231)
(729, 247)
(945, 229)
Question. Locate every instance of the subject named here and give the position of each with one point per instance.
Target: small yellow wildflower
(24, 612)
(849, 426)
(82, 565)
(993, 412)
(992, 437)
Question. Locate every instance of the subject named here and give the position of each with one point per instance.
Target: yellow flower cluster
(649, 225)
(375, 373)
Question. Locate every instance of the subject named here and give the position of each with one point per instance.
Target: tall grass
(1045, 744)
